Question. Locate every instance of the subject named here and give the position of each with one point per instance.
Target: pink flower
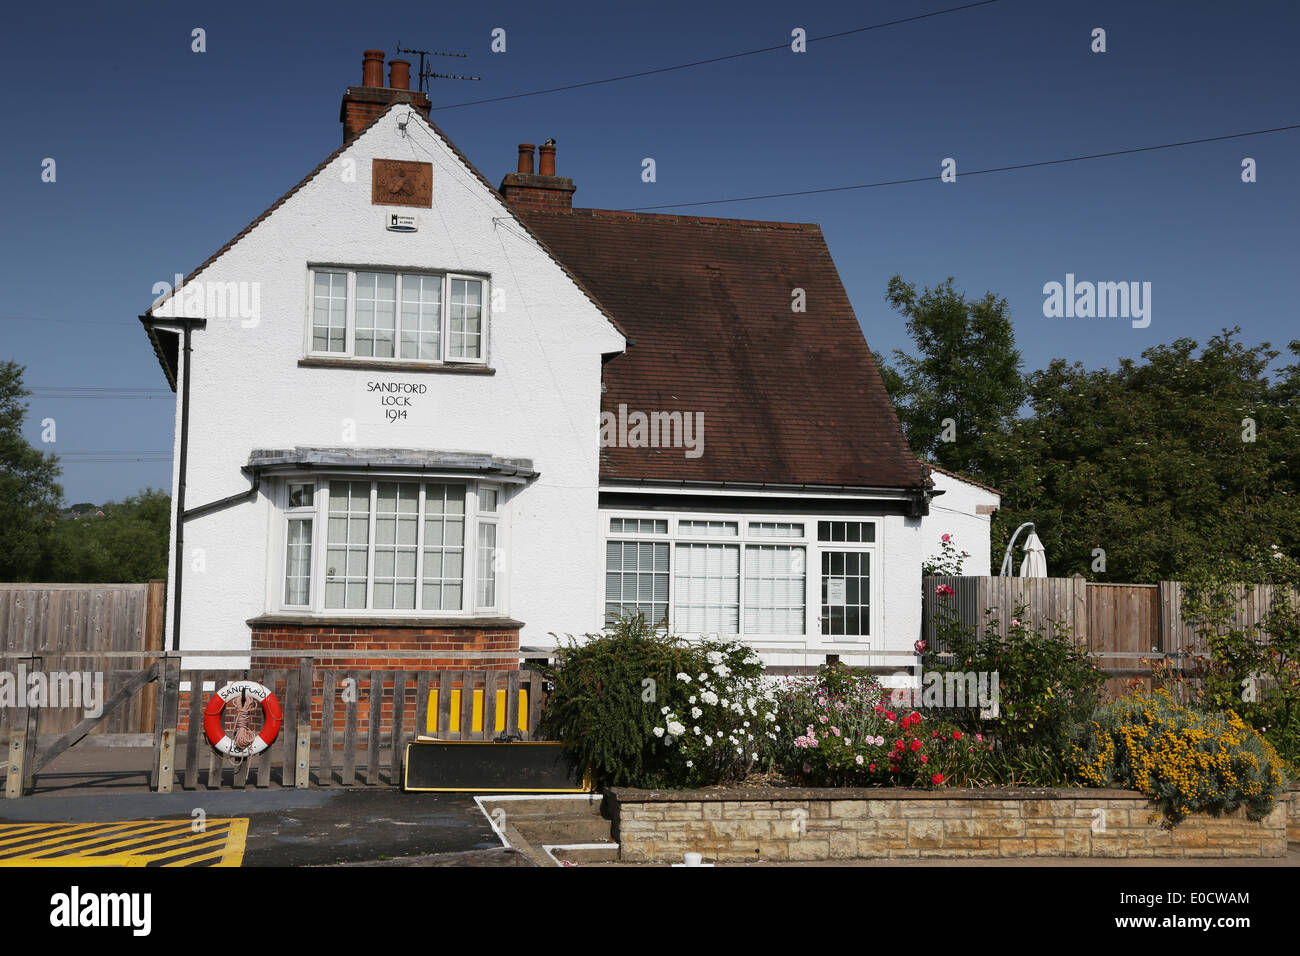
(858, 760)
(807, 768)
(944, 590)
(920, 647)
(1015, 622)
(823, 718)
(980, 738)
(835, 731)
(945, 538)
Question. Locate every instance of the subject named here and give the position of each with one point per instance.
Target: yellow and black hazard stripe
(126, 843)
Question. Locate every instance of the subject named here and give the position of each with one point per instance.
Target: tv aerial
(427, 74)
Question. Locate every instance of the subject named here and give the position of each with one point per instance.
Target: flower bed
(846, 823)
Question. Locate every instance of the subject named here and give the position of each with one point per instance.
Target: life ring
(240, 691)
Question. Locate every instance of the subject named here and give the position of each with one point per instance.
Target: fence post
(21, 744)
(155, 607)
(302, 756)
(169, 681)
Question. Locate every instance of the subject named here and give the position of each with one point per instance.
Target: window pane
(487, 575)
(774, 589)
(444, 547)
(301, 496)
(706, 583)
(348, 544)
(395, 527)
(422, 317)
(709, 529)
(846, 594)
(329, 312)
(775, 529)
(863, 532)
(465, 327)
(638, 525)
(376, 314)
(297, 569)
(636, 579)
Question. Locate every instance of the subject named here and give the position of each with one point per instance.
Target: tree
(128, 543)
(1171, 467)
(968, 371)
(29, 489)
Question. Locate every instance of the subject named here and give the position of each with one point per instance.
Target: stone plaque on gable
(398, 182)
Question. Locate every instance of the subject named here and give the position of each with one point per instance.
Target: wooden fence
(1119, 623)
(340, 727)
(49, 622)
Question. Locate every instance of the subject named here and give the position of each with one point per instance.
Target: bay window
(399, 545)
(397, 316)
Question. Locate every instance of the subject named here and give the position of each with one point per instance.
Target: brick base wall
(377, 639)
(781, 824)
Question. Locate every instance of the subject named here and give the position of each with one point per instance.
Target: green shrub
(605, 702)
(1185, 761)
(716, 721)
(1047, 686)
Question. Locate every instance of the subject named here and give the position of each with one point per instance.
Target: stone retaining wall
(1293, 817)
(831, 824)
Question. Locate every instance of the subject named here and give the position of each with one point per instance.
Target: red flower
(898, 745)
(924, 759)
(916, 745)
(920, 647)
(890, 715)
(879, 709)
(914, 717)
(937, 779)
(934, 734)
(944, 590)
(956, 735)
(945, 538)
(872, 767)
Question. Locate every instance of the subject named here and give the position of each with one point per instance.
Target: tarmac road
(295, 827)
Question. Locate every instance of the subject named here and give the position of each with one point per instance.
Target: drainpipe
(186, 326)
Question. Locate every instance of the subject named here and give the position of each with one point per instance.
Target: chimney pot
(372, 68)
(526, 159)
(399, 74)
(546, 160)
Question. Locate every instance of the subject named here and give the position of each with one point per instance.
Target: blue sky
(163, 154)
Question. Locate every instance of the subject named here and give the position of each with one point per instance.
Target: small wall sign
(835, 589)
(399, 182)
(396, 222)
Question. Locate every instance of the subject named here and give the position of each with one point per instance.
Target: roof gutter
(918, 497)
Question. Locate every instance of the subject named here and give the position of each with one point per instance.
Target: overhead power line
(974, 172)
(714, 59)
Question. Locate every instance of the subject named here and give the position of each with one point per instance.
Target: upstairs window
(398, 316)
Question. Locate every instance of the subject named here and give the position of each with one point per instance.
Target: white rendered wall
(954, 512)
(248, 392)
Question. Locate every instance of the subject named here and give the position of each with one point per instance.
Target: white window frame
(320, 544)
(350, 317)
(811, 636)
(289, 514)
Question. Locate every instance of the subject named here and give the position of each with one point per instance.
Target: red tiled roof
(787, 397)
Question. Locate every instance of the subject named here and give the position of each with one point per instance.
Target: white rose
(676, 729)
(685, 677)
(696, 712)
(664, 711)
(659, 731)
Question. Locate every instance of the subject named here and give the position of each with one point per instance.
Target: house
(415, 411)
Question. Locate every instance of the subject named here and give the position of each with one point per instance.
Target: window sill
(382, 365)
(418, 623)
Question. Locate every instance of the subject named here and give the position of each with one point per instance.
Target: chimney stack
(525, 189)
(361, 104)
